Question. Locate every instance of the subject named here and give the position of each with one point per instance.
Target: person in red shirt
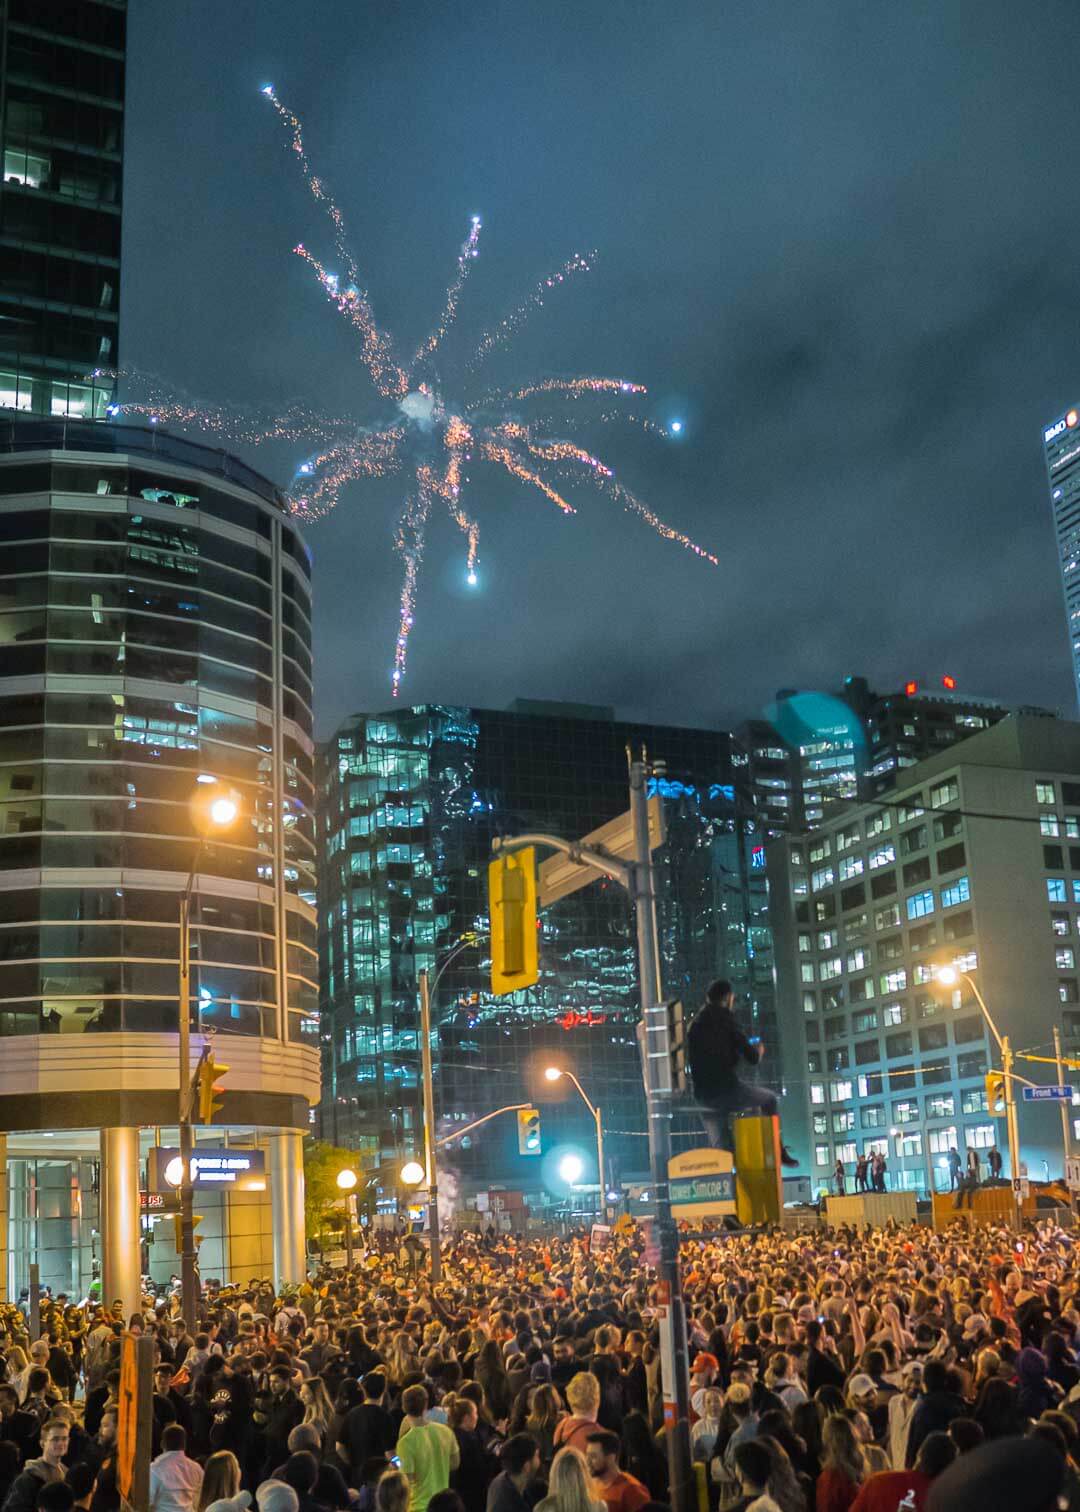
(618, 1491)
(907, 1490)
(843, 1467)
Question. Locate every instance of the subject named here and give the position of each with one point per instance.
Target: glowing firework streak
(453, 293)
(579, 263)
(423, 434)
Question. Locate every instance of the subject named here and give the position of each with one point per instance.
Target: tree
(322, 1195)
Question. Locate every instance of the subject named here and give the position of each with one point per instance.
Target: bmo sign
(1067, 422)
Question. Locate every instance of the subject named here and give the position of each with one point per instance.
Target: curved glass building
(155, 634)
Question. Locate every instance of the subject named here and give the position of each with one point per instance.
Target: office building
(972, 860)
(814, 750)
(1061, 444)
(155, 620)
(62, 129)
(411, 801)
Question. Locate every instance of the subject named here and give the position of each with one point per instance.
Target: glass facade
(410, 804)
(154, 631)
(1061, 443)
(62, 100)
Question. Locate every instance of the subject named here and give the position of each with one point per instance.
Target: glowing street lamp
(346, 1181)
(556, 1073)
(948, 976)
(412, 1173)
(571, 1168)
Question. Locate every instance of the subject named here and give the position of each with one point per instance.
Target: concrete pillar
(121, 1273)
(287, 1205)
(5, 1219)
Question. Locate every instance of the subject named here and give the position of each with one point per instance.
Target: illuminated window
(858, 960)
(14, 392)
(887, 918)
(851, 866)
(26, 168)
(1064, 958)
(1059, 923)
(981, 1136)
(821, 1155)
(893, 981)
(882, 855)
(945, 792)
(830, 968)
(817, 1093)
(1048, 826)
(840, 1091)
(960, 892)
(906, 1111)
(806, 970)
(1044, 792)
(941, 1141)
(973, 1100)
(77, 401)
(920, 904)
(893, 1013)
(941, 1105)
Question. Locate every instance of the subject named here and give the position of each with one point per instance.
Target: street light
(214, 809)
(346, 1181)
(412, 1173)
(571, 1168)
(948, 976)
(556, 1073)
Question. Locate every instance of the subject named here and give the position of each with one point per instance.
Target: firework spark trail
(453, 294)
(388, 377)
(422, 429)
(314, 183)
(366, 456)
(491, 451)
(409, 543)
(250, 427)
(579, 263)
(570, 388)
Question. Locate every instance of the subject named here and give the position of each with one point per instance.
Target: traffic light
(512, 908)
(995, 1091)
(528, 1131)
(178, 1231)
(680, 1081)
(209, 1094)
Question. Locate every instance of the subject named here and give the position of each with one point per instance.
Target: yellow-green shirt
(427, 1454)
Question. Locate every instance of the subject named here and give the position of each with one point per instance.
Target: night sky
(837, 240)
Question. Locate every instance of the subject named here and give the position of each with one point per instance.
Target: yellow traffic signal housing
(512, 907)
(209, 1094)
(528, 1131)
(178, 1231)
(995, 1091)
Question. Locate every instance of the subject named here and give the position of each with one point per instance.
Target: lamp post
(556, 1073)
(948, 976)
(426, 989)
(346, 1181)
(214, 809)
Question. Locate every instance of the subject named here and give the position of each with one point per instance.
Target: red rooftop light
(911, 688)
(949, 683)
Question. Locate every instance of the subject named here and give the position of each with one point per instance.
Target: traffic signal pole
(656, 1050)
(637, 876)
(429, 1128)
(188, 1280)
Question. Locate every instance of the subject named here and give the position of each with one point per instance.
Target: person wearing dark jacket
(935, 1409)
(40, 1472)
(715, 1047)
(1036, 1394)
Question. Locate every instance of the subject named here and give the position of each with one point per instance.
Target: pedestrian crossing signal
(528, 1131)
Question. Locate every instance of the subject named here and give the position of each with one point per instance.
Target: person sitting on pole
(715, 1046)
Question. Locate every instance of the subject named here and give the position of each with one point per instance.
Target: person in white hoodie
(901, 1411)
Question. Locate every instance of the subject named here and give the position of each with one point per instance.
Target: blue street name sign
(1048, 1094)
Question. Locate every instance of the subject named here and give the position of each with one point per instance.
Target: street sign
(1048, 1094)
(702, 1184)
(212, 1167)
(1022, 1186)
(1072, 1173)
(558, 876)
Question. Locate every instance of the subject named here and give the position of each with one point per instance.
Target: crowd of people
(893, 1370)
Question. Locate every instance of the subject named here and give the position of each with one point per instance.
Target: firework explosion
(422, 435)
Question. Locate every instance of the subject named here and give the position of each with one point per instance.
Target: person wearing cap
(276, 1496)
(703, 1374)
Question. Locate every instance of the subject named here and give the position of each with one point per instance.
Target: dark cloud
(837, 239)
